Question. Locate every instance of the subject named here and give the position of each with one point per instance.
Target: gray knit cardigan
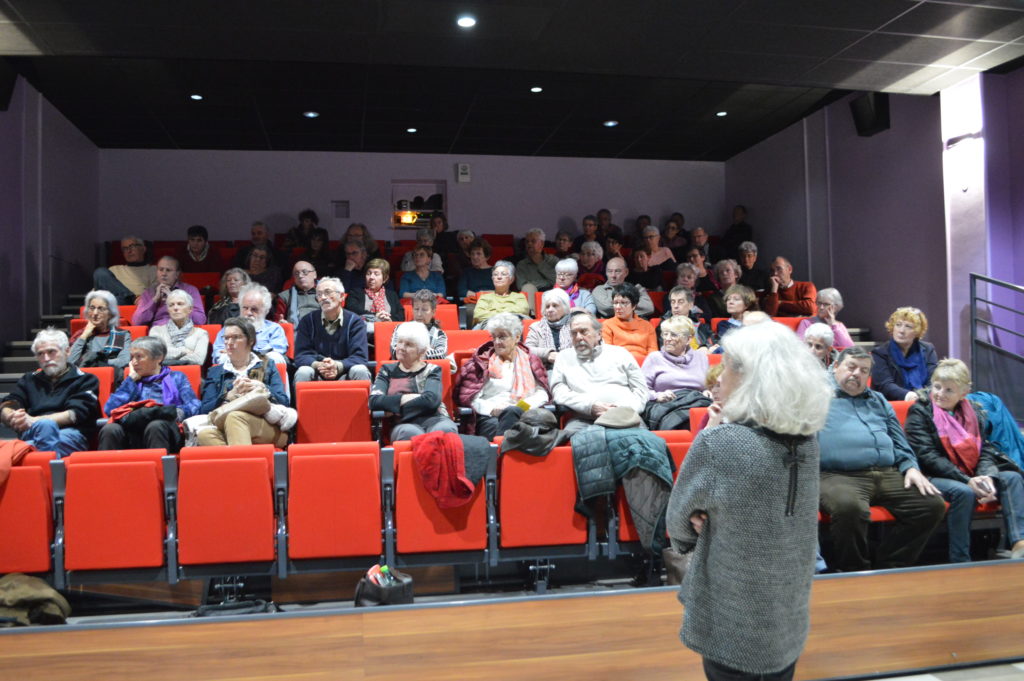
(748, 584)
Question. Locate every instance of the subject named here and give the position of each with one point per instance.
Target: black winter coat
(924, 439)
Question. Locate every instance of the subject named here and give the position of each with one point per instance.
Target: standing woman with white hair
(185, 343)
(411, 390)
(565, 279)
(830, 303)
(101, 343)
(746, 504)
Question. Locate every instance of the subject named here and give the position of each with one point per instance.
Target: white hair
(567, 265)
(831, 295)
(537, 231)
(415, 332)
(781, 387)
(51, 335)
(178, 294)
(821, 331)
(505, 321)
(260, 290)
(152, 346)
(509, 267)
(558, 294)
(109, 299)
(592, 247)
(748, 247)
(333, 281)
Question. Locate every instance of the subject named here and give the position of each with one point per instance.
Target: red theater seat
(333, 411)
(193, 372)
(26, 518)
(901, 407)
(678, 442)
(106, 378)
(536, 499)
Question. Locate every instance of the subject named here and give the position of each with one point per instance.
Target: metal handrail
(976, 342)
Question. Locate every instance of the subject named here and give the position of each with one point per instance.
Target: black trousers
(719, 672)
(489, 426)
(157, 435)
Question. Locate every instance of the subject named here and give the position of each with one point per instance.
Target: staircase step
(7, 382)
(70, 310)
(22, 348)
(18, 365)
(77, 299)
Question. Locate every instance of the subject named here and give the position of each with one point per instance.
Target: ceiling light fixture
(196, 97)
(410, 130)
(466, 21)
(610, 124)
(722, 114)
(536, 88)
(311, 114)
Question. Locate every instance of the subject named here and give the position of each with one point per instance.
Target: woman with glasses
(565, 279)
(675, 366)
(660, 257)
(830, 303)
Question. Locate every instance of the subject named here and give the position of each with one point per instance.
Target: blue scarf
(912, 367)
(167, 385)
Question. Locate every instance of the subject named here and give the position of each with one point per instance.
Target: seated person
(866, 461)
(502, 379)
(241, 372)
(101, 343)
(590, 233)
(270, 339)
(445, 241)
(536, 271)
(262, 269)
(591, 377)
(675, 239)
(739, 300)
(605, 227)
(299, 299)
(617, 272)
(301, 235)
(358, 230)
(786, 297)
(197, 255)
(903, 364)
(184, 342)
(830, 303)
(53, 408)
(230, 284)
(626, 329)
(819, 340)
(675, 366)
(375, 302)
(149, 379)
(425, 239)
(699, 240)
(412, 388)
(563, 246)
(738, 233)
(330, 343)
(613, 248)
(260, 236)
(421, 276)
(503, 298)
(686, 277)
(642, 274)
(127, 281)
(424, 308)
(319, 255)
(152, 308)
(590, 261)
(565, 279)
(753, 276)
(352, 271)
(457, 261)
(705, 279)
(550, 334)
(659, 257)
(727, 273)
(947, 433)
(476, 277)
(680, 304)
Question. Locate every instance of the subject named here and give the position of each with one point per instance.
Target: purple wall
(12, 256)
(158, 193)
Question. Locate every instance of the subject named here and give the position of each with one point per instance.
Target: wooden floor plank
(868, 624)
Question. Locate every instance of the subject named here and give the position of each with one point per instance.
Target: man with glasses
(128, 281)
(330, 342)
(296, 302)
(617, 271)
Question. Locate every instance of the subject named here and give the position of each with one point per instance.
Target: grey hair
(686, 267)
(224, 279)
(425, 295)
(467, 231)
(415, 332)
(263, 293)
(730, 264)
(594, 322)
(425, 232)
(651, 229)
(592, 247)
(567, 265)
(831, 295)
(679, 324)
(108, 298)
(154, 347)
(505, 321)
(333, 281)
(781, 387)
(178, 293)
(259, 223)
(822, 331)
(508, 266)
(51, 335)
(536, 231)
(558, 294)
(748, 247)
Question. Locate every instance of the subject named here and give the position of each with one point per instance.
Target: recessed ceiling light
(722, 114)
(410, 130)
(311, 114)
(466, 21)
(536, 88)
(196, 97)
(610, 124)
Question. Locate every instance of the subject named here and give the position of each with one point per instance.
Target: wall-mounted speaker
(870, 113)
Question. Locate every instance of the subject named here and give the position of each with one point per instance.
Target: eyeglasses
(329, 293)
(131, 247)
(302, 273)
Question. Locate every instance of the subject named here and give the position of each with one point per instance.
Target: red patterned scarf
(960, 435)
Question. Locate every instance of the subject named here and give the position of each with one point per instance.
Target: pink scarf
(378, 300)
(960, 435)
(523, 383)
(573, 292)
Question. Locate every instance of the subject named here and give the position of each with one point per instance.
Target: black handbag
(399, 592)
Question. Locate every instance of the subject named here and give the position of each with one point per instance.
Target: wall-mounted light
(466, 21)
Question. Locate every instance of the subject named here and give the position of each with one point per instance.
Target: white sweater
(611, 376)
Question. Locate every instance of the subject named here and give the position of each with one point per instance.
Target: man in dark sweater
(55, 407)
(330, 343)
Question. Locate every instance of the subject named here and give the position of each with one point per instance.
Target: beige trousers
(241, 428)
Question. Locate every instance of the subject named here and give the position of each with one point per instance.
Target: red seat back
(289, 333)
(696, 416)
(901, 407)
(537, 495)
(658, 298)
(791, 322)
(26, 517)
(333, 411)
(106, 377)
(193, 372)
(447, 316)
(202, 280)
(466, 339)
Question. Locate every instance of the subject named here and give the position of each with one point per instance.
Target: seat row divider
(281, 508)
(170, 469)
(387, 497)
(59, 476)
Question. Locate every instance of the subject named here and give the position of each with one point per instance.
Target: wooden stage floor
(862, 624)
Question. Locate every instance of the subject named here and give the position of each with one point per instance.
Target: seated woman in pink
(661, 257)
(829, 305)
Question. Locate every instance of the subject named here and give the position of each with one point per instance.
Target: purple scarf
(167, 386)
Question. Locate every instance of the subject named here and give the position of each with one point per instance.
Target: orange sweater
(637, 336)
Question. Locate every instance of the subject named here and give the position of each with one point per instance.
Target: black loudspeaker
(870, 113)
(7, 77)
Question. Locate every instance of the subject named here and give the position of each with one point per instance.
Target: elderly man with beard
(616, 270)
(592, 377)
(55, 407)
(254, 303)
(299, 299)
(330, 343)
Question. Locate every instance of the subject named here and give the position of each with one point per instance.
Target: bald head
(616, 270)
(304, 275)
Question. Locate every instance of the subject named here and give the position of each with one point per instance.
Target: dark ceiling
(122, 70)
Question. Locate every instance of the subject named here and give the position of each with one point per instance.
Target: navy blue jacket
(219, 380)
(347, 345)
(887, 377)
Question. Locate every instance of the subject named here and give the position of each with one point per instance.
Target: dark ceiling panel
(861, 15)
(916, 50)
(961, 21)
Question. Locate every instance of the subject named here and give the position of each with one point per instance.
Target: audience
(590, 261)
(727, 274)
(536, 271)
(299, 299)
(605, 228)
(424, 307)
(445, 241)
(642, 273)
(184, 342)
(821, 342)
(330, 343)
(502, 379)
(617, 273)
(686, 277)
(705, 280)
(152, 307)
(503, 299)
(458, 260)
(550, 334)
(262, 269)
(476, 277)
(590, 233)
(699, 240)
(753, 276)
(675, 366)
(673, 238)
(260, 236)
(565, 279)
(230, 284)
(627, 330)
(563, 245)
(100, 343)
(739, 300)
(319, 252)
(737, 233)
(680, 304)
(658, 256)
(375, 302)
(424, 239)
(421, 276)
(269, 340)
(197, 255)
(358, 230)
(128, 281)
(301, 235)
(786, 297)
(902, 365)
(353, 270)
(53, 408)
(830, 303)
